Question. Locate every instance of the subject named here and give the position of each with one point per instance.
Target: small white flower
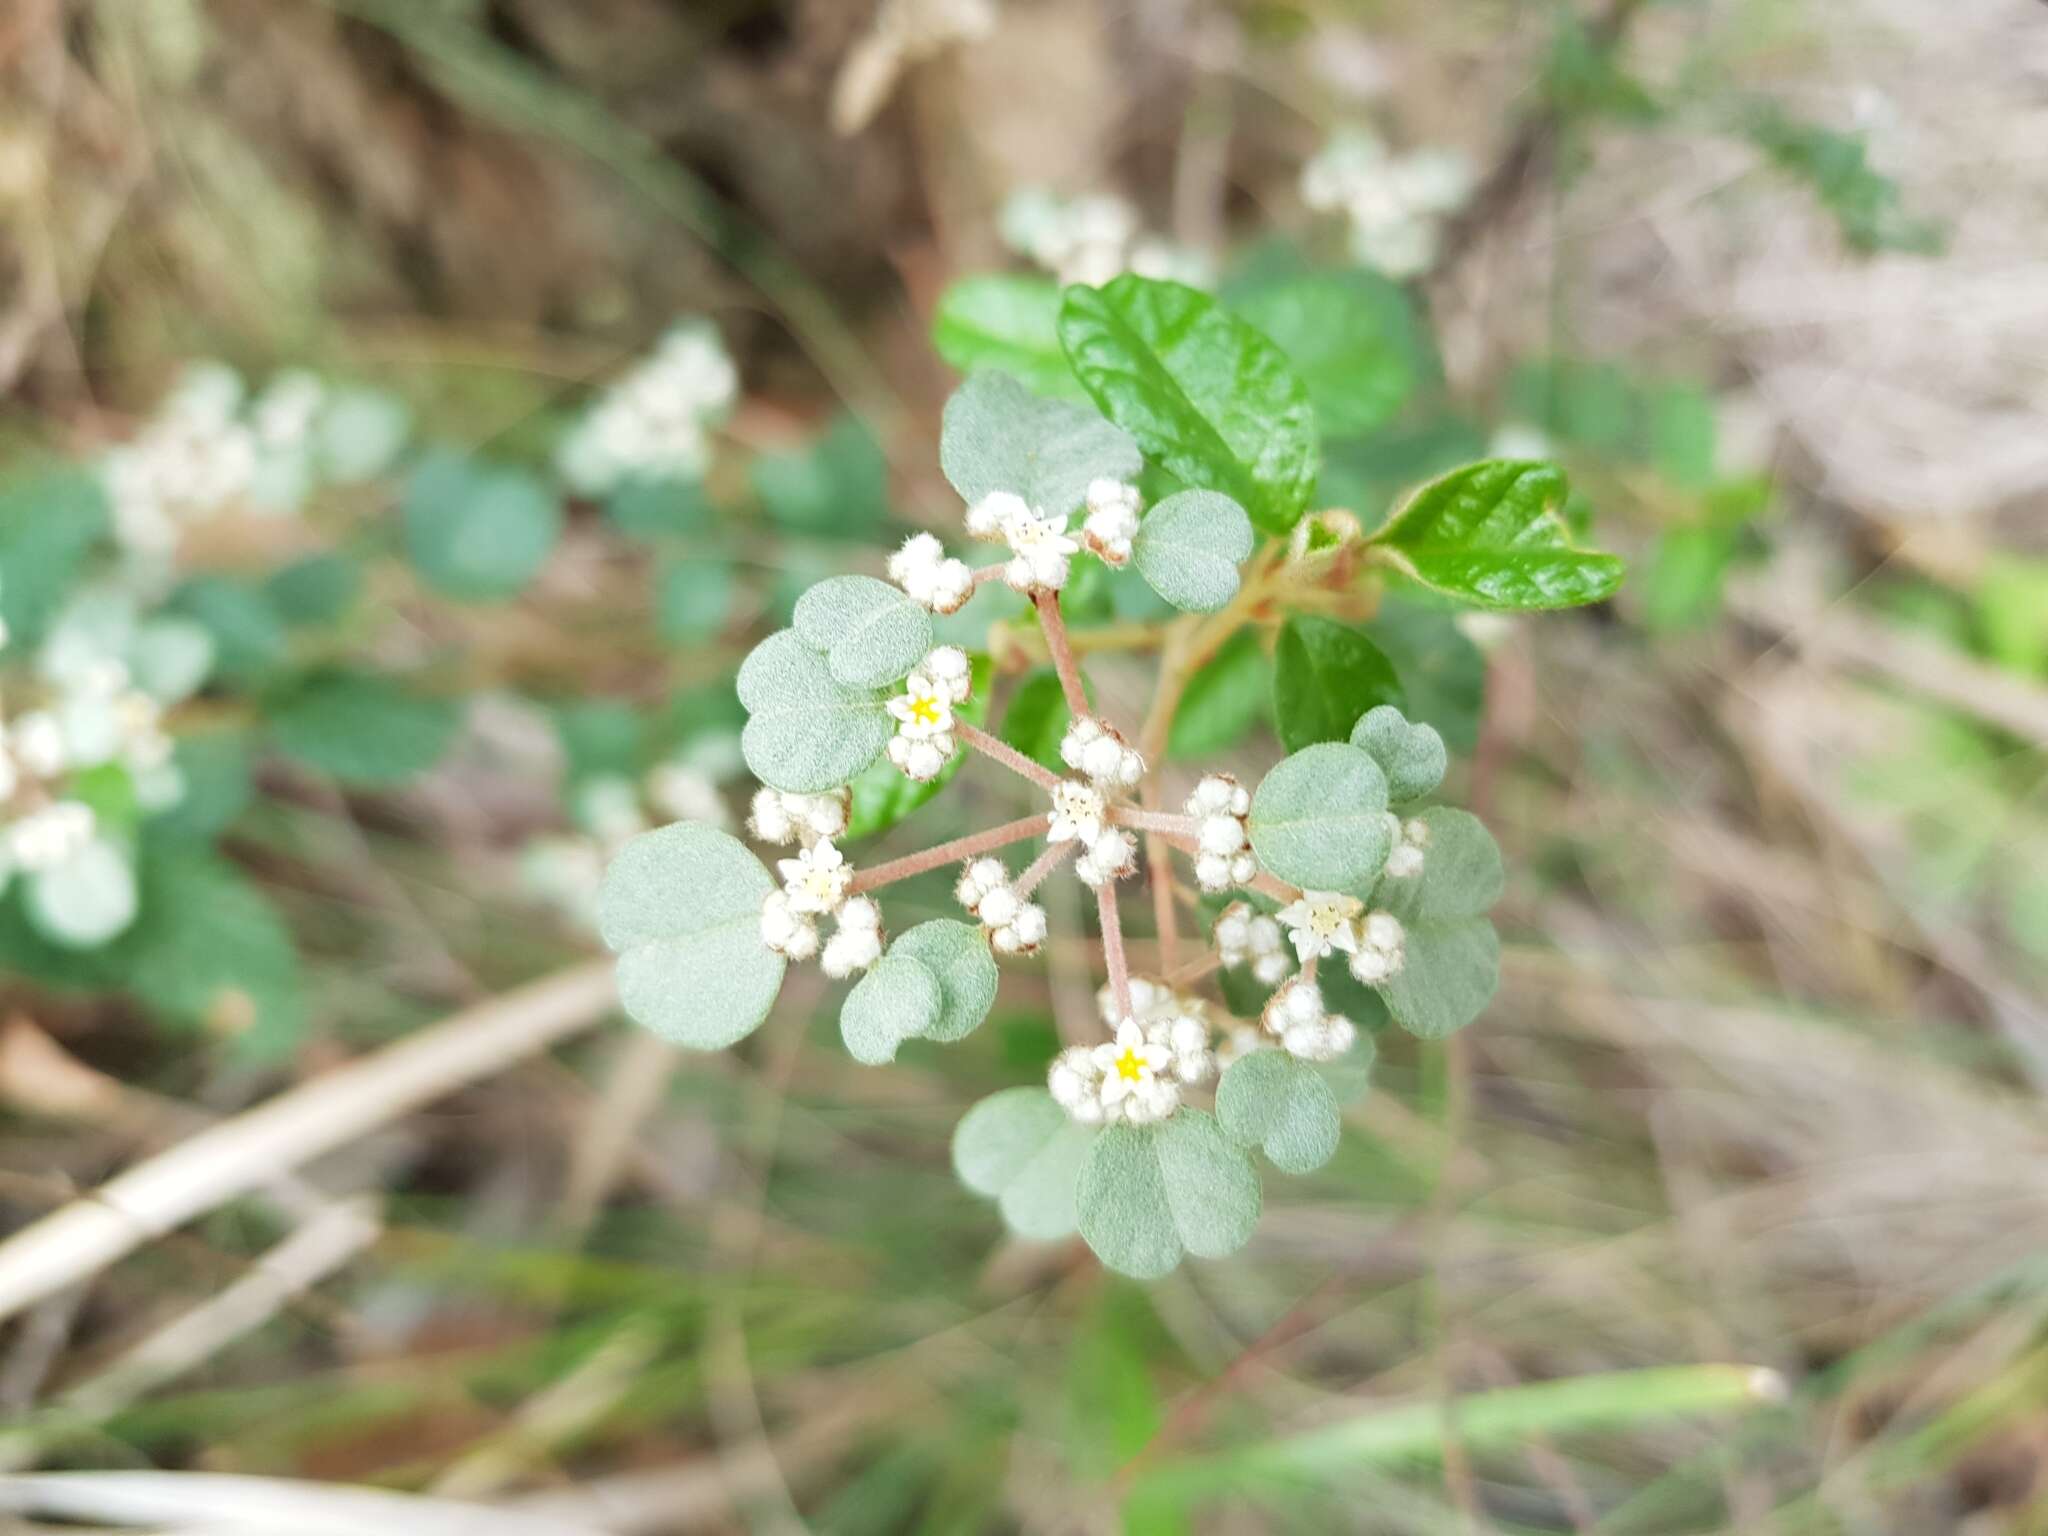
(1223, 856)
(785, 930)
(817, 879)
(1112, 520)
(1039, 549)
(977, 879)
(1078, 811)
(1023, 933)
(1246, 937)
(681, 793)
(1242, 1040)
(37, 741)
(1320, 922)
(921, 568)
(1137, 1076)
(922, 710)
(769, 818)
(1295, 1017)
(1111, 856)
(1095, 749)
(988, 517)
(1186, 1038)
(50, 835)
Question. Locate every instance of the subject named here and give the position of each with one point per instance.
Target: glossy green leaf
(1150, 1194)
(1008, 323)
(805, 730)
(1349, 335)
(681, 906)
(1189, 547)
(1325, 676)
(871, 632)
(1492, 534)
(897, 1000)
(362, 728)
(1319, 819)
(1225, 698)
(958, 955)
(476, 531)
(1277, 1102)
(998, 436)
(1023, 1151)
(1212, 399)
(1411, 756)
(1452, 964)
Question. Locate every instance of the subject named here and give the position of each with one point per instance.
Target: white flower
(1223, 856)
(1023, 933)
(856, 942)
(1113, 855)
(922, 710)
(1244, 936)
(1394, 203)
(1039, 549)
(1077, 813)
(785, 930)
(1112, 520)
(1384, 950)
(1015, 926)
(51, 834)
(951, 672)
(1322, 921)
(37, 742)
(817, 879)
(987, 518)
(1095, 749)
(1410, 838)
(1294, 1016)
(1137, 1078)
(608, 807)
(922, 569)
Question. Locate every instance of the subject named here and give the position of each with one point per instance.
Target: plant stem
(1167, 822)
(1036, 871)
(1061, 650)
(959, 849)
(983, 574)
(1194, 971)
(1002, 752)
(1113, 948)
(1270, 885)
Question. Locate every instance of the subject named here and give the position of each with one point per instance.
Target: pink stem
(1194, 971)
(961, 848)
(983, 574)
(1113, 948)
(1001, 751)
(1036, 871)
(1155, 821)
(1061, 650)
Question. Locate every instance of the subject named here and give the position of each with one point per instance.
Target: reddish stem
(983, 574)
(1271, 885)
(1036, 871)
(1155, 821)
(1113, 948)
(959, 849)
(1061, 649)
(1002, 752)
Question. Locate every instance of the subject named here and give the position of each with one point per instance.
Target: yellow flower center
(1325, 918)
(1130, 1065)
(924, 709)
(821, 883)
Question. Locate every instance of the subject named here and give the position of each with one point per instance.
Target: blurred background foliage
(1761, 1093)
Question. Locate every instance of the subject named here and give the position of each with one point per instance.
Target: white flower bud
(1383, 930)
(860, 914)
(998, 907)
(1221, 834)
(768, 819)
(1029, 925)
(985, 519)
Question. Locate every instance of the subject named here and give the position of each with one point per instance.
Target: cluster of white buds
(1382, 948)
(1096, 749)
(933, 579)
(818, 883)
(1040, 547)
(1247, 937)
(652, 423)
(1179, 1023)
(924, 741)
(1295, 1018)
(1112, 520)
(193, 459)
(1223, 855)
(856, 943)
(778, 816)
(1080, 814)
(1133, 1078)
(1410, 839)
(1094, 238)
(1112, 856)
(1394, 202)
(1015, 926)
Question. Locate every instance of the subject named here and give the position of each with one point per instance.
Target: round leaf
(1272, 1100)
(475, 532)
(1452, 954)
(998, 436)
(362, 728)
(1411, 756)
(361, 432)
(1149, 1194)
(682, 908)
(170, 658)
(1461, 874)
(1023, 1151)
(871, 632)
(1319, 818)
(1325, 675)
(897, 1000)
(958, 955)
(1189, 547)
(806, 731)
(86, 900)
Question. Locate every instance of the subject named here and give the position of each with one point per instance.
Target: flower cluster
(1094, 238)
(1223, 857)
(778, 816)
(1394, 202)
(1327, 922)
(1409, 840)
(1295, 1019)
(1015, 926)
(933, 579)
(1161, 1047)
(653, 423)
(1382, 948)
(924, 742)
(1080, 814)
(818, 883)
(1244, 936)
(1095, 749)
(1040, 547)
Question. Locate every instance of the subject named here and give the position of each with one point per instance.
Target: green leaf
(601, 738)
(1037, 719)
(656, 506)
(1683, 435)
(1442, 672)
(477, 532)
(1350, 336)
(692, 598)
(84, 901)
(1150, 1194)
(998, 436)
(871, 632)
(1865, 203)
(883, 794)
(2012, 607)
(681, 906)
(215, 770)
(170, 658)
(1270, 1099)
(1009, 323)
(1225, 698)
(1211, 398)
(1452, 965)
(1189, 547)
(1411, 756)
(958, 955)
(248, 632)
(805, 730)
(1682, 587)
(838, 486)
(897, 1000)
(1325, 676)
(1319, 818)
(48, 526)
(362, 728)
(319, 589)
(1491, 534)
(1023, 1151)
